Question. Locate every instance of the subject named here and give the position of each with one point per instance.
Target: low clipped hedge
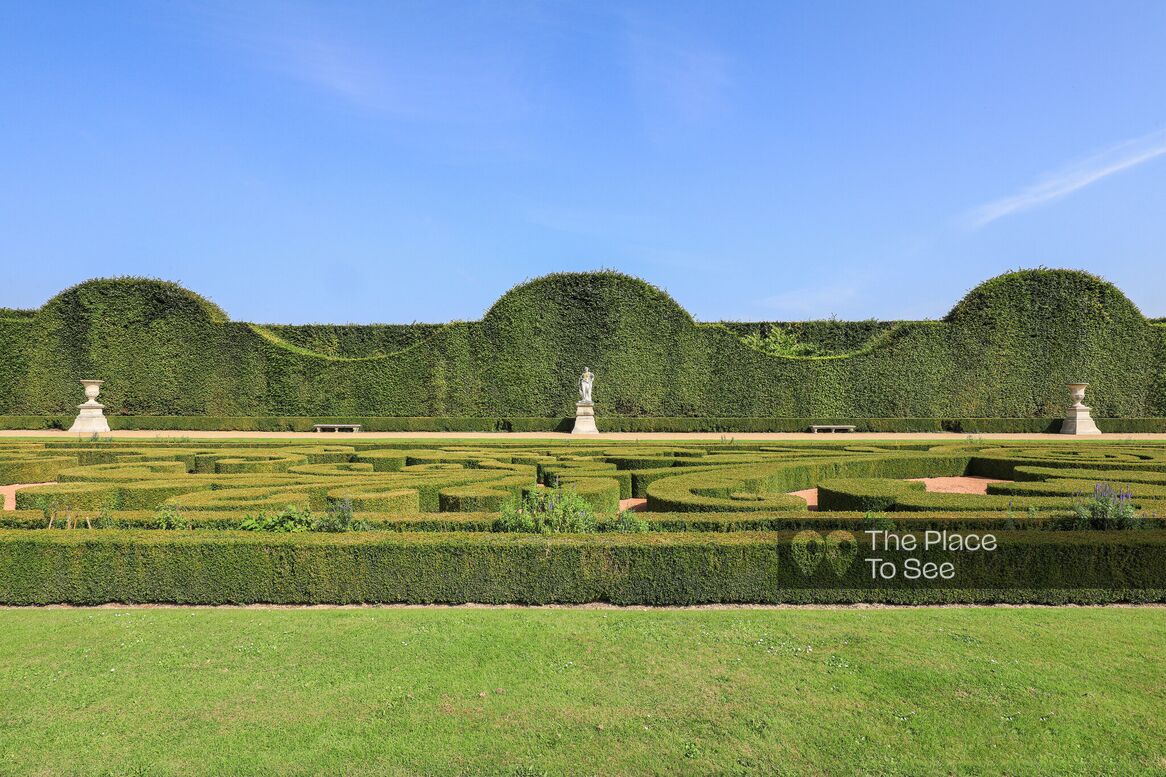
(413, 520)
(199, 567)
(554, 474)
(602, 493)
(404, 520)
(36, 422)
(765, 486)
(877, 494)
(864, 494)
(377, 499)
(40, 469)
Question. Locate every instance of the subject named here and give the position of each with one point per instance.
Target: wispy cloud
(1075, 177)
(366, 60)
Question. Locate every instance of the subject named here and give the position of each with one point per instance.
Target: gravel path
(645, 436)
(8, 493)
(963, 484)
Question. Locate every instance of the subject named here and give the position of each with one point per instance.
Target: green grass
(534, 691)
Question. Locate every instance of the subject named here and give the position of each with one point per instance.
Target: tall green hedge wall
(1005, 350)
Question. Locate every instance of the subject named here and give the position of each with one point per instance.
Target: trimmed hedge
(199, 567)
(412, 520)
(602, 493)
(15, 468)
(766, 486)
(165, 351)
(875, 494)
(671, 424)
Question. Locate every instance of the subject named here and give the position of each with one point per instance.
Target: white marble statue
(585, 381)
(585, 408)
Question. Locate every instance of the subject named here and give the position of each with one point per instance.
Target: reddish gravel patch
(9, 493)
(635, 505)
(810, 495)
(966, 484)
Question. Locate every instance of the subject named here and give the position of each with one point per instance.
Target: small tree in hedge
(548, 511)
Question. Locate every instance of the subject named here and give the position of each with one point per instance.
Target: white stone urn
(1077, 392)
(91, 413)
(92, 389)
(1077, 418)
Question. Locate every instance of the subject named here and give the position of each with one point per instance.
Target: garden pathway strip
(8, 493)
(194, 434)
(963, 484)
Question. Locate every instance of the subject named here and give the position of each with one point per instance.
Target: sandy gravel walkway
(588, 606)
(646, 436)
(810, 495)
(8, 493)
(964, 484)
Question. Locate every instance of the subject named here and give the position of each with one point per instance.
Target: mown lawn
(557, 691)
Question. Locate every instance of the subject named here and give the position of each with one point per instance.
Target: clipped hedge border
(607, 423)
(33, 469)
(728, 489)
(95, 567)
(877, 495)
(413, 520)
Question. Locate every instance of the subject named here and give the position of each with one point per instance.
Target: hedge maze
(160, 521)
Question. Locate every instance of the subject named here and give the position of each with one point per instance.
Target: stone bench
(336, 427)
(818, 428)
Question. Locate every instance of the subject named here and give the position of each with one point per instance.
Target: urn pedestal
(585, 419)
(91, 413)
(1077, 418)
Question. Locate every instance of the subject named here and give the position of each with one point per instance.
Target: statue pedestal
(584, 419)
(90, 419)
(1079, 421)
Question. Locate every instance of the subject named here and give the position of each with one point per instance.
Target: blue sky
(393, 161)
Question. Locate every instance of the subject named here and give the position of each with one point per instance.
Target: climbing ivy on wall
(1006, 350)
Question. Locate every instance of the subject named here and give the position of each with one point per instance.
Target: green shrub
(1108, 509)
(628, 522)
(339, 517)
(289, 519)
(169, 517)
(548, 511)
(777, 341)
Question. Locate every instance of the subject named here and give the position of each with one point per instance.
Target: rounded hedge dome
(1034, 293)
(147, 297)
(586, 291)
